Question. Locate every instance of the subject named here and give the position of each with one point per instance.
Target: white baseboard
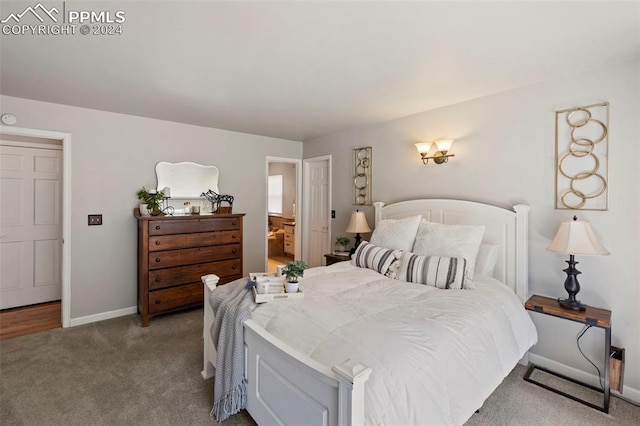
(588, 378)
(102, 316)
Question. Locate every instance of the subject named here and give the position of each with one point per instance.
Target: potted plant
(292, 272)
(342, 243)
(151, 200)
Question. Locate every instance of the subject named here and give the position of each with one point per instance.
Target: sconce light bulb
(423, 147)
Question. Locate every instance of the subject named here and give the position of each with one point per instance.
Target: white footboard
(289, 388)
(209, 350)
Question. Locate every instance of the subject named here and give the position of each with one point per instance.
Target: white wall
(505, 155)
(288, 172)
(113, 155)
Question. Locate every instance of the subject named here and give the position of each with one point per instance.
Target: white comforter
(436, 355)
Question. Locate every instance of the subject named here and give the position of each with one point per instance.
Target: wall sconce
(440, 156)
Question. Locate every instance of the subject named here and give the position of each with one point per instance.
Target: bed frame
(288, 387)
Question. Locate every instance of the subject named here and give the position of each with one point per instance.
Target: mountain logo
(38, 11)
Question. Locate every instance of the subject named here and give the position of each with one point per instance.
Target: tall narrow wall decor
(582, 157)
(362, 176)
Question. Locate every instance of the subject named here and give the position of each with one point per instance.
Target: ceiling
(299, 70)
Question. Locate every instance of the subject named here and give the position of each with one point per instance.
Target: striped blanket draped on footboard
(232, 304)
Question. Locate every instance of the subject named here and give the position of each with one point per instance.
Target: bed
(365, 348)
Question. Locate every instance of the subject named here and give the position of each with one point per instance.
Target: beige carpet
(115, 373)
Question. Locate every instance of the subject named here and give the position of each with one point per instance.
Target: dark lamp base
(574, 305)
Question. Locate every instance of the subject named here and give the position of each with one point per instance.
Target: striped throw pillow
(373, 257)
(435, 271)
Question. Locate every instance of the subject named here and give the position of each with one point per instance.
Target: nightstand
(595, 317)
(334, 258)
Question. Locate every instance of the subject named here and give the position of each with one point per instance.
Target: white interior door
(30, 225)
(317, 209)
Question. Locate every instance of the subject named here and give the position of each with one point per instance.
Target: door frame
(66, 207)
(299, 218)
(306, 213)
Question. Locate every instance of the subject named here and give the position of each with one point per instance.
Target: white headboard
(507, 228)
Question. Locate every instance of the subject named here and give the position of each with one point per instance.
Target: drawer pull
(158, 279)
(157, 260)
(234, 267)
(158, 301)
(158, 227)
(234, 236)
(234, 223)
(157, 243)
(234, 251)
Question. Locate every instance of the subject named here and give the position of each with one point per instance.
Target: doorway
(49, 257)
(282, 236)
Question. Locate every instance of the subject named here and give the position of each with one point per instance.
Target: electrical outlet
(95, 219)
(333, 214)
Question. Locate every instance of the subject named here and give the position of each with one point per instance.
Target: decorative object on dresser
(357, 224)
(362, 176)
(440, 156)
(151, 200)
(575, 237)
(217, 201)
(175, 252)
(582, 157)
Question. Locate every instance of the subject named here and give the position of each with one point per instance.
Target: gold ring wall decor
(362, 176)
(582, 157)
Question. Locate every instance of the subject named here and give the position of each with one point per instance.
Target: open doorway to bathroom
(282, 216)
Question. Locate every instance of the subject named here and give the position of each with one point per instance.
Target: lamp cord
(586, 327)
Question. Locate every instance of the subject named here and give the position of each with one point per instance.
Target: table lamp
(357, 224)
(575, 237)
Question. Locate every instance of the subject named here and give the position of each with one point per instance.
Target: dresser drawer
(170, 277)
(288, 247)
(179, 241)
(171, 258)
(288, 237)
(175, 298)
(187, 226)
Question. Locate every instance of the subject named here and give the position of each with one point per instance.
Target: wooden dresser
(175, 251)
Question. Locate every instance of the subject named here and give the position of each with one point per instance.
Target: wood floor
(274, 261)
(30, 319)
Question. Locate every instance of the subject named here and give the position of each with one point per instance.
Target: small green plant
(342, 241)
(294, 270)
(152, 201)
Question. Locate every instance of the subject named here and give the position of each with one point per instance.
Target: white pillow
(398, 234)
(437, 239)
(486, 259)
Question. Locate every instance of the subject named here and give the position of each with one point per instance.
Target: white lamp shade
(444, 144)
(577, 237)
(358, 223)
(423, 147)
